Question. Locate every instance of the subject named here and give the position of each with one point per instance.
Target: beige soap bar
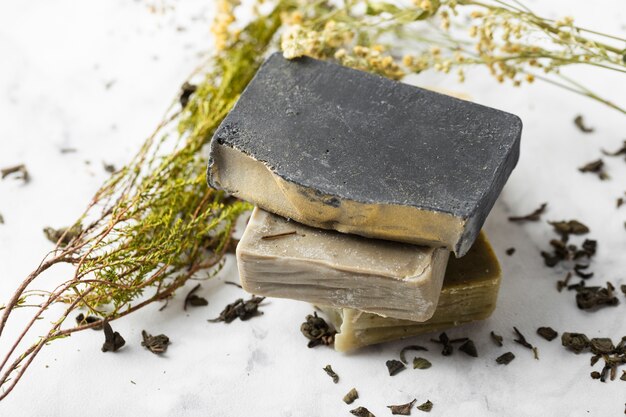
(285, 259)
(469, 293)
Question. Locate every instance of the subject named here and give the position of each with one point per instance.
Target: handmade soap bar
(285, 259)
(469, 293)
(337, 148)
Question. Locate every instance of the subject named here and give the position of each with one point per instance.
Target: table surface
(97, 76)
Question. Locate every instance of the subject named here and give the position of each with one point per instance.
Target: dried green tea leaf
(362, 412)
(113, 341)
(576, 342)
(351, 396)
(580, 124)
(155, 344)
(510, 251)
(547, 333)
(595, 167)
(623, 377)
(64, 234)
(521, 339)
(240, 309)
(427, 406)
(444, 340)
(81, 320)
(20, 171)
(623, 288)
(497, 339)
(620, 151)
(532, 217)
(595, 375)
(601, 345)
(329, 371)
(620, 202)
(394, 366)
(403, 409)
(469, 348)
(110, 168)
(186, 90)
(569, 227)
(593, 298)
(578, 270)
(421, 363)
(317, 331)
(194, 300)
(1, 219)
(505, 358)
(411, 347)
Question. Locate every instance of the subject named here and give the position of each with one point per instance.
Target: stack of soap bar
(285, 259)
(336, 148)
(363, 187)
(469, 293)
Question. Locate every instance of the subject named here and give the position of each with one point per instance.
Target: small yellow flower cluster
(370, 59)
(221, 24)
(297, 41)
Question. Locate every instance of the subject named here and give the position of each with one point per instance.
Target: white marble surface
(97, 76)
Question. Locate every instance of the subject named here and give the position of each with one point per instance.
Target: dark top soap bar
(342, 149)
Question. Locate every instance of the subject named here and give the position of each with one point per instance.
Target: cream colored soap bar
(281, 258)
(469, 293)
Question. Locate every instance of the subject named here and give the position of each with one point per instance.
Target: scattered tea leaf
(497, 339)
(580, 124)
(403, 409)
(427, 406)
(620, 202)
(595, 167)
(186, 90)
(510, 251)
(576, 342)
(578, 270)
(469, 348)
(243, 310)
(547, 333)
(351, 396)
(446, 343)
(81, 320)
(593, 298)
(521, 339)
(505, 358)
(68, 150)
(421, 363)
(19, 171)
(155, 344)
(394, 367)
(362, 412)
(563, 283)
(601, 345)
(329, 371)
(65, 234)
(411, 347)
(113, 341)
(317, 331)
(110, 168)
(569, 227)
(1, 219)
(623, 377)
(620, 151)
(194, 300)
(532, 217)
(623, 288)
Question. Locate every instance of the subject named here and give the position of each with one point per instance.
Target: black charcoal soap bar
(337, 148)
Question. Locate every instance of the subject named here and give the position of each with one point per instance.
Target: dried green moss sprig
(507, 38)
(154, 224)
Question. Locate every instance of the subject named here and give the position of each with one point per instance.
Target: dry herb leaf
(243, 310)
(1, 219)
(362, 412)
(193, 300)
(505, 358)
(510, 251)
(601, 345)
(317, 331)
(81, 320)
(444, 340)
(113, 341)
(595, 167)
(20, 172)
(547, 333)
(497, 339)
(403, 409)
(186, 90)
(329, 371)
(623, 288)
(532, 217)
(593, 298)
(569, 227)
(66, 234)
(623, 377)
(576, 342)
(421, 363)
(521, 339)
(110, 168)
(469, 348)
(427, 406)
(155, 344)
(351, 396)
(620, 151)
(394, 366)
(411, 347)
(580, 124)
